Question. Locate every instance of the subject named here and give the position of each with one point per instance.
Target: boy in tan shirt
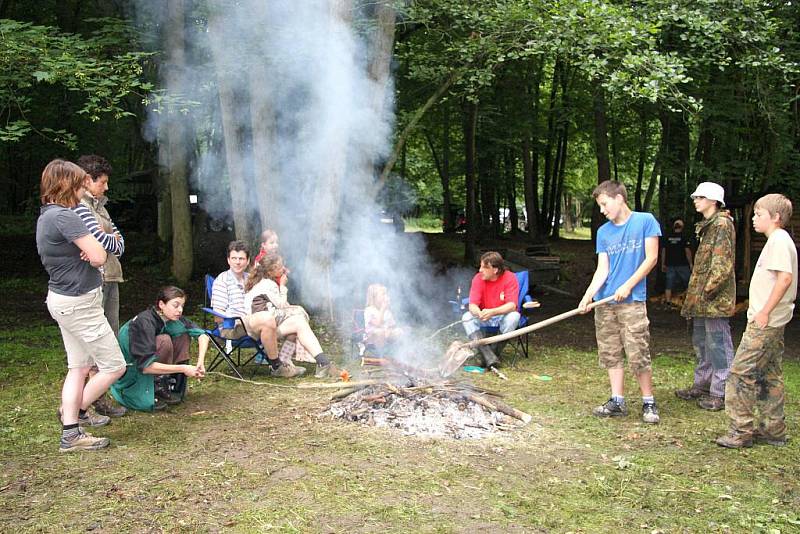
(756, 378)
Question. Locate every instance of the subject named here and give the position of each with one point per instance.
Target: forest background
(506, 113)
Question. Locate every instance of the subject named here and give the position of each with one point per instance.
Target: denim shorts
(678, 277)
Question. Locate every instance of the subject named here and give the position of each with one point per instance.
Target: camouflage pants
(756, 381)
(623, 329)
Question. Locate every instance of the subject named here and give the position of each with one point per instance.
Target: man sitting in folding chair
(227, 298)
(492, 303)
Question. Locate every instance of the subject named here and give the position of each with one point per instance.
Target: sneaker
(760, 437)
(89, 418)
(611, 409)
(712, 404)
(735, 440)
(691, 393)
(327, 371)
(650, 413)
(285, 370)
(105, 406)
(83, 442)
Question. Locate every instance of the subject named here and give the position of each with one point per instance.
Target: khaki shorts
(623, 329)
(88, 338)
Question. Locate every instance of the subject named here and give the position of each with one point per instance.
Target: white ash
(438, 413)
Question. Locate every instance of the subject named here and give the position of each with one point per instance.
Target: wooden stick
(342, 393)
(339, 385)
(499, 406)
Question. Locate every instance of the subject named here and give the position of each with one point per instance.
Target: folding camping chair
(229, 349)
(358, 335)
(520, 343)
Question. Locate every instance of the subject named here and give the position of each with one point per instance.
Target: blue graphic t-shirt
(624, 245)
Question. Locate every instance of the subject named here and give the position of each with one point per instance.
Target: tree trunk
(548, 151)
(643, 145)
(601, 150)
(232, 129)
(511, 190)
(175, 148)
(674, 164)
(263, 126)
(449, 216)
(470, 130)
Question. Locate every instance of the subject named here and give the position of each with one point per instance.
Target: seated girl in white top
(379, 324)
(266, 289)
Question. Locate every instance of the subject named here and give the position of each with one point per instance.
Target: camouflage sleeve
(721, 269)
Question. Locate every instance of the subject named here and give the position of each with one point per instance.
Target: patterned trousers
(756, 382)
(713, 346)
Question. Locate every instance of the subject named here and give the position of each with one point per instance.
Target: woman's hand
(192, 371)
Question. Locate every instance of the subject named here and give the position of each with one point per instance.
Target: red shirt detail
(493, 294)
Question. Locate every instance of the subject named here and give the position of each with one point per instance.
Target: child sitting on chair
(381, 329)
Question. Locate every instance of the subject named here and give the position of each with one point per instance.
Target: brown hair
(61, 181)
(95, 166)
(494, 259)
(263, 269)
(238, 246)
(775, 203)
(167, 293)
(611, 188)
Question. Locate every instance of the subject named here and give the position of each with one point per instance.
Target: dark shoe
(83, 442)
(760, 437)
(489, 357)
(105, 406)
(650, 413)
(611, 409)
(691, 393)
(168, 397)
(712, 404)
(735, 440)
(159, 404)
(89, 418)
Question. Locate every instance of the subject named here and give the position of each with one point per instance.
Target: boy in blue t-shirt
(627, 250)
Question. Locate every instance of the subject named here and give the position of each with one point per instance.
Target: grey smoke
(326, 118)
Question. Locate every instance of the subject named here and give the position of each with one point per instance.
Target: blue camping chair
(520, 344)
(229, 349)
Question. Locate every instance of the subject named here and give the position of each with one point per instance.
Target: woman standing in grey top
(71, 257)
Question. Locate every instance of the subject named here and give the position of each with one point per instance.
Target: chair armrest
(227, 322)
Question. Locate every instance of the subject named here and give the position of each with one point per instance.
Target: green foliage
(99, 68)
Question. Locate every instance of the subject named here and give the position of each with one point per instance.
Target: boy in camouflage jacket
(711, 299)
(754, 395)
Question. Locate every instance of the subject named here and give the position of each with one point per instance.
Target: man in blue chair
(492, 303)
(227, 298)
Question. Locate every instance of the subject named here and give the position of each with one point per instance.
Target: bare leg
(296, 325)
(72, 394)
(617, 379)
(265, 323)
(645, 380)
(97, 385)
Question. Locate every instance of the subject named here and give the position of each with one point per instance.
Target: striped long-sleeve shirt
(113, 243)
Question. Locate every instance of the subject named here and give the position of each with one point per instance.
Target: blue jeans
(506, 323)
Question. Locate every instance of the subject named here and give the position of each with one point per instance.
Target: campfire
(420, 402)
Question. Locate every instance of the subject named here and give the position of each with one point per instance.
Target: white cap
(711, 191)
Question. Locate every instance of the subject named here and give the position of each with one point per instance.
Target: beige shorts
(88, 338)
(623, 329)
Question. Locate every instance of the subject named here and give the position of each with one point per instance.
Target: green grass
(582, 233)
(250, 458)
(429, 224)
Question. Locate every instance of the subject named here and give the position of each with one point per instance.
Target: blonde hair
(263, 269)
(373, 293)
(775, 203)
(267, 234)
